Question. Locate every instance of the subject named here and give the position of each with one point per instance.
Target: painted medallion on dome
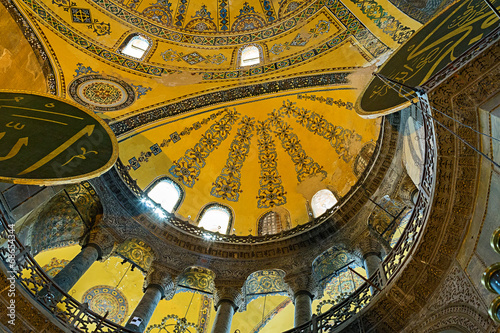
(102, 299)
(102, 93)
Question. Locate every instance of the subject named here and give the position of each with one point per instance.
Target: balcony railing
(67, 312)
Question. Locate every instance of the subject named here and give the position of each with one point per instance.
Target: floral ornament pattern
(328, 100)
(339, 138)
(227, 185)
(155, 149)
(388, 23)
(83, 15)
(304, 164)
(187, 168)
(271, 192)
(322, 27)
(193, 58)
(260, 283)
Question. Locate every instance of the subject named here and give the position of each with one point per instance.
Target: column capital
(101, 237)
(301, 282)
(367, 245)
(159, 277)
(231, 293)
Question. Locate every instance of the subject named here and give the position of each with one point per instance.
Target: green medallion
(433, 47)
(45, 140)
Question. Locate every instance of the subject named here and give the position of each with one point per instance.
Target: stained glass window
(321, 201)
(270, 224)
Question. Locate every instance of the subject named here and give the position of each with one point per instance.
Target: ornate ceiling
(254, 138)
(258, 138)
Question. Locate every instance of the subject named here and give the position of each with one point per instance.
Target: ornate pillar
(99, 247)
(226, 300)
(157, 285)
(369, 249)
(371, 261)
(301, 290)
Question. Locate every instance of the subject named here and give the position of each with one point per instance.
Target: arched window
(167, 193)
(216, 218)
(269, 224)
(321, 201)
(250, 55)
(136, 46)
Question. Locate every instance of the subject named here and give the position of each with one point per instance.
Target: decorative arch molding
(217, 96)
(457, 316)
(138, 252)
(262, 283)
(196, 279)
(65, 219)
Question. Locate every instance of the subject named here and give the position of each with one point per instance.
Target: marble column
(157, 285)
(139, 319)
(303, 307)
(371, 261)
(100, 246)
(226, 299)
(301, 290)
(75, 269)
(224, 316)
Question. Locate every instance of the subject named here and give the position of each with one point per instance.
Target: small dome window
(166, 193)
(250, 55)
(270, 224)
(216, 218)
(321, 201)
(136, 47)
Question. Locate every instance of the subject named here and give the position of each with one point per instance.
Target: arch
(216, 217)
(166, 192)
(250, 55)
(269, 223)
(136, 46)
(196, 279)
(321, 201)
(64, 219)
(458, 317)
(138, 252)
(262, 283)
(362, 160)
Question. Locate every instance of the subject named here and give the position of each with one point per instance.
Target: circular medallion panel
(102, 93)
(102, 299)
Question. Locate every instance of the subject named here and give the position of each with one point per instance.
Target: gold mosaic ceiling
(255, 138)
